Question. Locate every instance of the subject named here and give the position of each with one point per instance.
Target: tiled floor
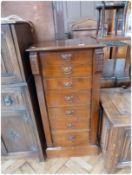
(73, 165)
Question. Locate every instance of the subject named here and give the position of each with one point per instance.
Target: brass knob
(66, 56)
(69, 98)
(68, 84)
(71, 137)
(67, 70)
(70, 125)
(69, 112)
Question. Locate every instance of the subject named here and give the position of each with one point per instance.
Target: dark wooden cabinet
(116, 129)
(20, 114)
(67, 78)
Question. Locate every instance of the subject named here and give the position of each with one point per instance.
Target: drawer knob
(69, 98)
(7, 100)
(68, 84)
(70, 125)
(72, 137)
(69, 112)
(66, 56)
(67, 70)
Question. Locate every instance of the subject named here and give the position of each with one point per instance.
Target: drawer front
(70, 138)
(17, 131)
(12, 98)
(69, 123)
(80, 70)
(59, 58)
(63, 113)
(68, 83)
(64, 98)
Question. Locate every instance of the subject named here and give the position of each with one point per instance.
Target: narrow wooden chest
(67, 77)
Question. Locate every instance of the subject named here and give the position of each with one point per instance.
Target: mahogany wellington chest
(67, 78)
(116, 128)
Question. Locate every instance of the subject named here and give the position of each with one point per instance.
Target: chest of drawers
(67, 78)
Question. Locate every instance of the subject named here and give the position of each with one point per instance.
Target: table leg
(98, 23)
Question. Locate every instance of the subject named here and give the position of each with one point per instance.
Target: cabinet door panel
(125, 155)
(17, 132)
(10, 72)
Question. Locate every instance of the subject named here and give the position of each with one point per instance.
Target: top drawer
(72, 57)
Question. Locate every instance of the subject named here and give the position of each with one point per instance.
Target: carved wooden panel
(17, 133)
(126, 146)
(10, 72)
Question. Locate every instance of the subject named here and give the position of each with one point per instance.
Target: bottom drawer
(17, 132)
(70, 138)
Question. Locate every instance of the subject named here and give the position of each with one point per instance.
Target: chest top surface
(117, 105)
(79, 43)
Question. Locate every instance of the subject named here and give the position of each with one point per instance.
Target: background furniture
(67, 77)
(65, 13)
(20, 110)
(120, 16)
(116, 128)
(116, 70)
(83, 28)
